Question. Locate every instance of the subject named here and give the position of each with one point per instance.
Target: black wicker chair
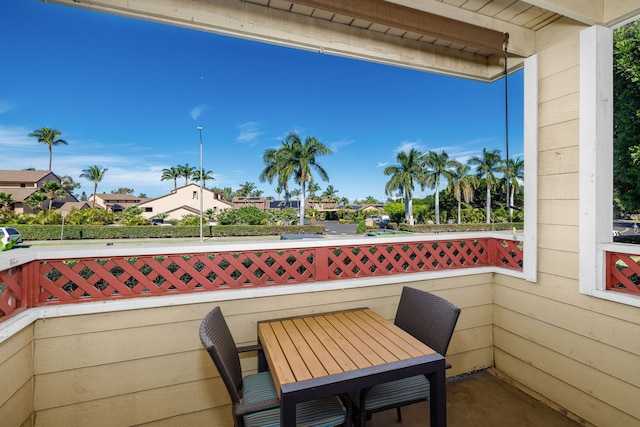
(254, 397)
(430, 319)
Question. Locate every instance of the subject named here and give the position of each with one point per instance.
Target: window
(596, 165)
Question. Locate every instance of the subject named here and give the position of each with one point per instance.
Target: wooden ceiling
(458, 37)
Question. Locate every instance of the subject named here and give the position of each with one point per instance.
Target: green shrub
(32, 232)
(362, 228)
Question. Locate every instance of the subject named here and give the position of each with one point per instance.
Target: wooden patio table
(330, 354)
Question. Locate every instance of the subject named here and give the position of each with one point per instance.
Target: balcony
(87, 330)
(481, 400)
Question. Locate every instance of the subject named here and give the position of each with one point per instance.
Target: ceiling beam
(405, 18)
(589, 12)
(254, 22)
(522, 41)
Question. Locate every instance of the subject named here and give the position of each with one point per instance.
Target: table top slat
(359, 353)
(373, 328)
(305, 344)
(376, 353)
(293, 357)
(402, 338)
(275, 357)
(373, 337)
(325, 357)
(339, 348)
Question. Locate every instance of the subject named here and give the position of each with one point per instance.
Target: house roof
(18, 194)
(126, 198)
(67, 206)
(216, 195)
(19, 176)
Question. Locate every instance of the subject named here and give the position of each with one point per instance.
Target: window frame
(596, 166)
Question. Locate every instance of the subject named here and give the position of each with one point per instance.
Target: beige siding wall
(580, 352)
(183, 196)
(17, 380)
(148, 366)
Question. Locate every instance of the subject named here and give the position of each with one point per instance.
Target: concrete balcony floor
(480, 400)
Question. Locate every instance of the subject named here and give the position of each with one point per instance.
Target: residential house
(115, 202)
(21, 184)
(183, 201)
(258, 202)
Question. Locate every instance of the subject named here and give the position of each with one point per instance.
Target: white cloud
(382, 164)
(5, 106)
(407, 146)
(248, 133)
(197, 111)
(335, 146)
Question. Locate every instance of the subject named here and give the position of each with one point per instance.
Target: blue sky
(128, 95)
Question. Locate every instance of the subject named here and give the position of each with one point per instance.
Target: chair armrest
(242, 409)
(262, 361)
(247, 348)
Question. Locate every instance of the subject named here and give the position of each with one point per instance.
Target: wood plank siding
(150, 363)
(16, 371)
(579, 352)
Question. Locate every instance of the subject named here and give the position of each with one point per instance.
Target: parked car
(9, 234)
(158, 221)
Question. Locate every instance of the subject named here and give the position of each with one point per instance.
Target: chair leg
(262, 361)
(399, 412)
(363, 416)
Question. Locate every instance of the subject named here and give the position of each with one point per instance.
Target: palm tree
(95, 175)
(514, 175)
(186, 171)
(5, 202)
(330, 193)
(370, 200)
(438, 166)
(50, 137)
(246, 189)
(295, 193)
(297, 159)
(172, 173)
(256, 193)
(302, 158)
(487, 165)
(410, 169)
(277, 168)
(313, 189)
(462, 185)
(207, 175)
(53, 190)
(35, 201)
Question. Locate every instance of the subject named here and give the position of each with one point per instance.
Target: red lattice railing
(60, 281)
(623, 273)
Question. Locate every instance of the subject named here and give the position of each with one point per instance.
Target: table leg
(438, 400)
(287, 411)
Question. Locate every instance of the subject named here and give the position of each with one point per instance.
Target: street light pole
(201, 181)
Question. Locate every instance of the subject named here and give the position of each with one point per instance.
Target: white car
(8, 234)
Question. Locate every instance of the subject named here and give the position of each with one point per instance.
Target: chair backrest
(428, 317)
(217, 339)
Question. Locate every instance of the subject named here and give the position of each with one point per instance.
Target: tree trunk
(488, 205)
(408, 212)
(302, 197)
(512, 196)
(437, 205)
